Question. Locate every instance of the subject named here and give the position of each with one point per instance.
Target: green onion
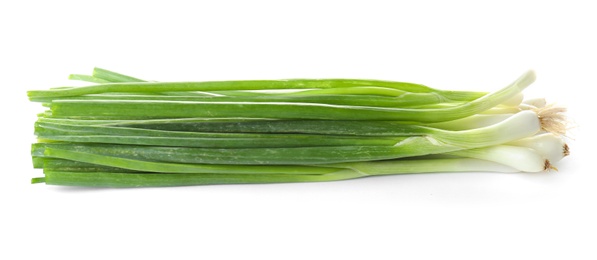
(180, 109)
(138, 136)
(521, 125)
(368, 87)
(520, 158)
(550, 146)
(125, 180)
(128, 132)
(150, 166)
(54, 164)
(87, 78)
(110, 76)
(413, 99)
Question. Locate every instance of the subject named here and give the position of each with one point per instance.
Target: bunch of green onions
(122, 131)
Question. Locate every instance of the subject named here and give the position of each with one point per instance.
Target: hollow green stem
(164, 167)
(128, 180)
(87, 78)
(520, 125)
(524, 124)
(54, 164)
(180, 109)
(354, 86)
(111, 76)
(377, 91)
(137, 136)
(357, 170)
(343, 99)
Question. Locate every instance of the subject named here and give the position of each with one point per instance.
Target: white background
(475, 45)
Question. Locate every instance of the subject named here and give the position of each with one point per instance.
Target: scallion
(126, 132)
